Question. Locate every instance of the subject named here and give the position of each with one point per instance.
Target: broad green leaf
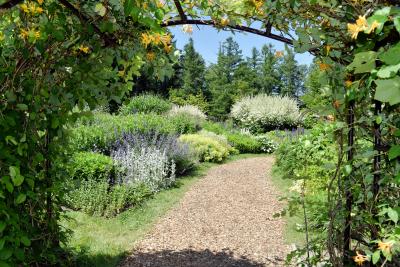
(26, 241)
(396, 21)
(2, 226)
(20, 199)
(100, 9)
(128, 7)
(388, 71)
(363, 62)
(5, 254)
(2, 242)
(393, 215)
(4, 264)
(391, 56)
(22, 106)
(388, 90)
(376, 256)
(16, 177)
(394, 152)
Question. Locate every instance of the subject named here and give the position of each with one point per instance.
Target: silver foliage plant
(147, 165)
(263, 112)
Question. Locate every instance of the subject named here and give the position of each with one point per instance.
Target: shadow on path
(189, 258)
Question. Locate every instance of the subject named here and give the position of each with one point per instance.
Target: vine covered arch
(56, 54)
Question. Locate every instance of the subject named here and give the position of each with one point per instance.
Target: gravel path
(225, 219)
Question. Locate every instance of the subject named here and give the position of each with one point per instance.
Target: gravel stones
(225, 219)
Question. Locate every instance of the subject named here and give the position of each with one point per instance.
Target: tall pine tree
(270, 77)
(193, 70)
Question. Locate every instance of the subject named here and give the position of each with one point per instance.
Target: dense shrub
(309, 157)
(181, 98)
(146, 165)
(243, 141)
(175, 150)
(100, 199)
(146, 104)
(208, 147)
(262, 113)
(184, 123)
(91, 166)
(188, 110)
(100, 131)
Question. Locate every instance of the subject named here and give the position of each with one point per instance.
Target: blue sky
(207, 39)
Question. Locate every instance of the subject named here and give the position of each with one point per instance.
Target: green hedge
(102, 130)
(208, 147)
(146, 104)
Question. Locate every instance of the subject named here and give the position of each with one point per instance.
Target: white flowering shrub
(262, 113)
(187, 110)
(148, 165)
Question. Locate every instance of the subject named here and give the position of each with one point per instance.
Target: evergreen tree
(221, 79)
(270, 78)
(292, 75)
(193, 70)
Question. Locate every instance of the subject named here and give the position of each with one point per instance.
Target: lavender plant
(185, 159)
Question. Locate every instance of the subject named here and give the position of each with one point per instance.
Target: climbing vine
(58, 54)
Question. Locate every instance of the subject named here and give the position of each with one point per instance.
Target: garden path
(225, 219)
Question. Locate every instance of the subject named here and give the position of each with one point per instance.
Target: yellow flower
(156, 39)
(324, 66)
(166, 39)
(160, 4)
(37, 34)
(328, 49)
(360, 25)
(84, 49)
(146, 39)
(360, 259)
(24, 8)
(40, 2)
(39, 10)
(24, 34)
(373, 26)
(187, 28)
(385, 246)
(353, 29)
(278, 54)
(362, 22)
(150, 56)
(348, 83)
(145, 6)
(224, 22)
(168, 48)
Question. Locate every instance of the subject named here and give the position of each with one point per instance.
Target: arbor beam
(242, 28)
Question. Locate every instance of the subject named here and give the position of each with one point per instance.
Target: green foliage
(180, 98)
(210, 148)
(96, 197)
(262, 113)
(102, 130)
(91, 166)
(185, 123)
(193, 70)
(310, 157)
(146, 104)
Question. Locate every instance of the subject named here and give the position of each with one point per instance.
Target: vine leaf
(393, 215)
(388, 90)
(394, 152)
(376, 256)
(363, 62)
(100, 9)
(388, 71)
(391, 56)
(397, 23)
